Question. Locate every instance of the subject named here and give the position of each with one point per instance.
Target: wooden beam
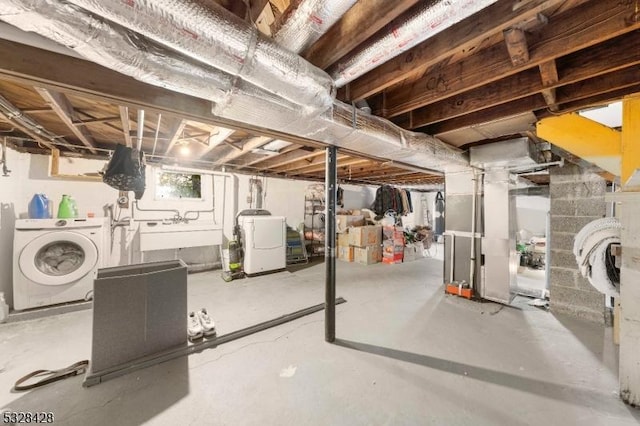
(549, 96)
(597, 100)
(569, 98)
(238, 8)
(256, 8)
(249, 144)
(289, 158)
(37, 110)
(175, 134)
(516, 41)
(601, 59)
(373, 175)
(360, 22)
(60, 104)
(549, 77)
(263, 158)
(462, 36)
(307, 161)
(126, 125)
(216, 139)
(284, 17)
(516, 107)
(80, 122)
(343, 166)
(549, 73)
(232, 146)
(570, 32)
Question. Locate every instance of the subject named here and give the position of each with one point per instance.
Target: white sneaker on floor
(208, 326)
(194, 328)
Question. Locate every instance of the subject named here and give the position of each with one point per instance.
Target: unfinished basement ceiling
(488, 76)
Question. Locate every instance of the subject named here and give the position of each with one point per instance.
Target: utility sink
(168, 235)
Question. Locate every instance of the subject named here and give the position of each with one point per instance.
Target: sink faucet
(179, 219)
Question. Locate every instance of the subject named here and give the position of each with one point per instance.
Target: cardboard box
(345, 253)
(343, 240)
(392, 260)
(392, 232)
(344, 221)
(392, 252)
(391, 247)
(365, 236)
(367, 255)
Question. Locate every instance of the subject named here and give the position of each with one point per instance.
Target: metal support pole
(331, 188)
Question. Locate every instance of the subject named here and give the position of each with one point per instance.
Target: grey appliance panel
(458, 213)
(462, 261)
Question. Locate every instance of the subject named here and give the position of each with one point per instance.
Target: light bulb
(184, 150)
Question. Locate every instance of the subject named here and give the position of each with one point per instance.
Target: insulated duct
(309, 22)
(266, 101)
(214, 37)
(423, 22)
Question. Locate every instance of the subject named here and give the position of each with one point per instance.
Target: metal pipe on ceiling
(140, 128)
(14, 114)
(155, 139)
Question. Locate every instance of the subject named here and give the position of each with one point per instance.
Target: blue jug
(39, 207)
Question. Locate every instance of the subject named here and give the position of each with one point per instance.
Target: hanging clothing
(126, 170)
(390, 198)
(405, 202)
(340, 197)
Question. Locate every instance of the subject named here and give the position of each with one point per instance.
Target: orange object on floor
(458, 291)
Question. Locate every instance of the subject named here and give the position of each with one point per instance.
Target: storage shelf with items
(314, 214)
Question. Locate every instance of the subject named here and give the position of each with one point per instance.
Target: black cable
(610, 262)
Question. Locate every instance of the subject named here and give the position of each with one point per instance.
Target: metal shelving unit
(312, 207)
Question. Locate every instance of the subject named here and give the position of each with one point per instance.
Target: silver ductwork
(267, 99)
(512, 153)
(423, 22)
(309, 21)
(216, 38)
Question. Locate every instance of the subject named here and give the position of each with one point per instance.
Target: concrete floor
(531, 282)
(407, 354)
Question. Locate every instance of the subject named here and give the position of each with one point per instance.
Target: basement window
(178, 186)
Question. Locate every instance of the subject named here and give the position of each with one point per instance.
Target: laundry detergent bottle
(39, 207)
(66, 209)
(74, 206)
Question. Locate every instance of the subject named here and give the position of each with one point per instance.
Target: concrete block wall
(577, 198)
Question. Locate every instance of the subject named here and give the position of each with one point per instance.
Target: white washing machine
(56, 260)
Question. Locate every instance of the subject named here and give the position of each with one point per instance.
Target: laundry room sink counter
(168, 235)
